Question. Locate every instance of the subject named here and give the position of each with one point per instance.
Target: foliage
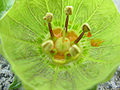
(16, 84)
(5, 5)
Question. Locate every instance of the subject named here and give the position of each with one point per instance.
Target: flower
(24, 33)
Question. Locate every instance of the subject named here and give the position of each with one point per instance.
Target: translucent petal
(23, 30)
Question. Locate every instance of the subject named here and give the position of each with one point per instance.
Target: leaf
(5, 5)
(23, 31)
(16, 84)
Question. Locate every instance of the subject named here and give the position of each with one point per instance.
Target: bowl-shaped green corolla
(75, 46)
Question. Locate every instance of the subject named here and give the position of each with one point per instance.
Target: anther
(48, 18)
(68, 11)
(85, 28)
(74, 50)
(48, 45)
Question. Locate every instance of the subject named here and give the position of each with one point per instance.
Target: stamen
(66, 23)
(48, 45)
(74, 50)
(48, 18)
(79, 38)
(68, 11)
(85, 28)
(50, 29)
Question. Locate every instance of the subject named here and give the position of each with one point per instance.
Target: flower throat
(63, 44)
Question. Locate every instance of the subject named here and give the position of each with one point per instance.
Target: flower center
(63, 45)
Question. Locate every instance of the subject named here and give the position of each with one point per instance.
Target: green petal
(23, 30)
(5, 5)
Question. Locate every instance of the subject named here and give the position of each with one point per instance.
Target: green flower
(76, 47)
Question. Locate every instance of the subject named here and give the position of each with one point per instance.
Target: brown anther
(86, 28)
